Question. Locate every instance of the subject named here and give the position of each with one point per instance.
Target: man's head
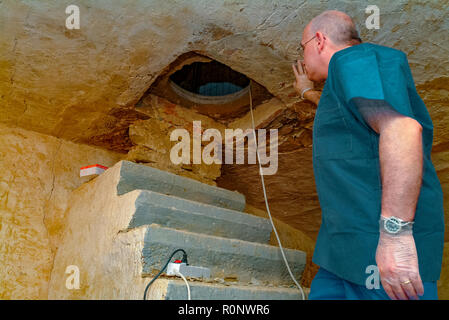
(326, 34)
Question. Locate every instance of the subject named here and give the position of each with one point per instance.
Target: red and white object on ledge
(91, 170)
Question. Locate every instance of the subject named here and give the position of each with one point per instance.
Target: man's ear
(320, 38)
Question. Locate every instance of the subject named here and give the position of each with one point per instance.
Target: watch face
(392, 226)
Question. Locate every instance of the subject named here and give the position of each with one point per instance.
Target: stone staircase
(123, 225)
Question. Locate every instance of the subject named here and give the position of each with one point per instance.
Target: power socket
(188, 271)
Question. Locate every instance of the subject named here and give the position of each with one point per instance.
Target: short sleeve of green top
(347, 170)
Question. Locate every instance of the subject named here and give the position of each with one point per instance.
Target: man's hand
(302, 82)
(397, 261)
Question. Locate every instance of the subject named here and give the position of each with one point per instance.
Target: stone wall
(37, 175)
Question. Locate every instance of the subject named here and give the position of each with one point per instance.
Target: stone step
(242, 261)
(178, 213)
(167, 289)
(135, 176)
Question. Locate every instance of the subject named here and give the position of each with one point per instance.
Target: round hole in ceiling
(209, 79)
(196, 87)
(209, 82)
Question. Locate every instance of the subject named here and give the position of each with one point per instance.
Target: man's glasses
(302, 46)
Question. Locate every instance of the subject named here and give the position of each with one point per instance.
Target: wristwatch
(394, 225)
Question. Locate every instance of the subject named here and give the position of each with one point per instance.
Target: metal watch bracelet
(304, 91)
(395, 226)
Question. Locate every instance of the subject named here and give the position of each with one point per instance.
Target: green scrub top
(346, 164)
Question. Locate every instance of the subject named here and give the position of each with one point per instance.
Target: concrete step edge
(175, 289)
(183, 214)
(236, 259)
(136, 176)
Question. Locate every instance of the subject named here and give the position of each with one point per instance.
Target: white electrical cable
(187, 284)
(265, 196)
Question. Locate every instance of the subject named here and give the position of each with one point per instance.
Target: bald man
(381, 200)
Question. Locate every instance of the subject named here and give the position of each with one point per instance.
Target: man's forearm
(401, 164)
